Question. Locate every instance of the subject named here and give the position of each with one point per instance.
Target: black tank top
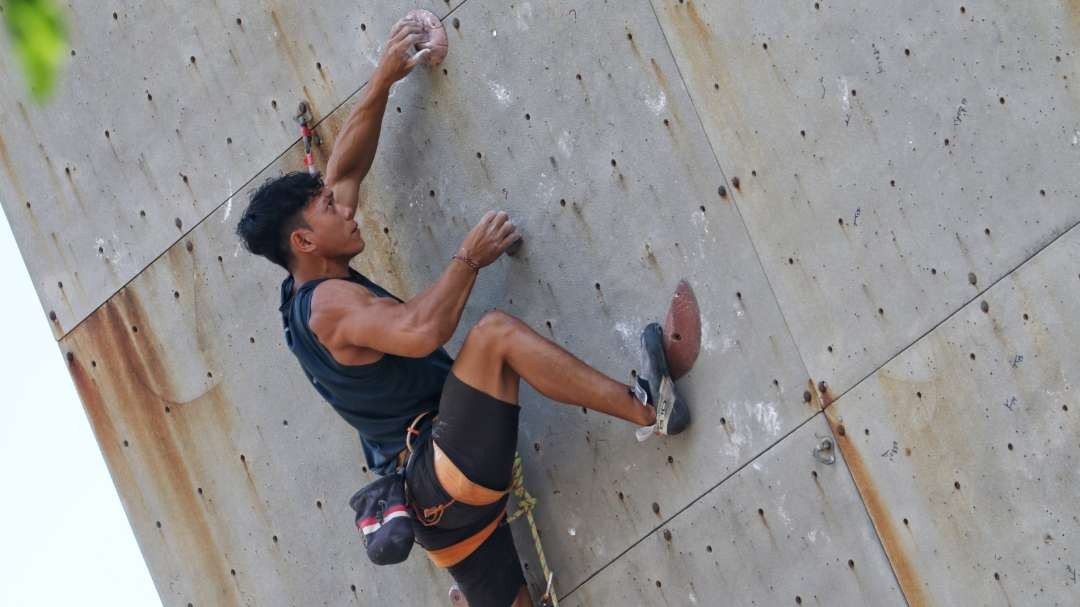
(379, 399)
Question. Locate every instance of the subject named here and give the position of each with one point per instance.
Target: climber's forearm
(354, 150)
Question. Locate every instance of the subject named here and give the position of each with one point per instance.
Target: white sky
(64, 537)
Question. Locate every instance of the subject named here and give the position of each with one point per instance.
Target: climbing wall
(874, 201)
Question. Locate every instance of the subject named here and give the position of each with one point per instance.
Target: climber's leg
(501, 349)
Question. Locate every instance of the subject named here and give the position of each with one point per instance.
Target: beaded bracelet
(472, 264)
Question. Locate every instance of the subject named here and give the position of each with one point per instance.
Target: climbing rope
(526, 504)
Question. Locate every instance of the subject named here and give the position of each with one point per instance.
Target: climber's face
(331, 232)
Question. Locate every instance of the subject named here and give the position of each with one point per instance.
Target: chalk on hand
(435, 40)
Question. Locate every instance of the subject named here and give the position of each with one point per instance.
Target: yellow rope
(526, 504)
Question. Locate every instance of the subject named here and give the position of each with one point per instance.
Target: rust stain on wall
(660, 76)
(151, 439)
(283, 42)
(811, 397)
(1073, 8)
(698, 23)
(707, 72)
(903, 566)
(825, 393)
(379, 259)
(5, 159)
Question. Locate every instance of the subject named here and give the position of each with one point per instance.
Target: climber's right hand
(490, 238)
(397, 58)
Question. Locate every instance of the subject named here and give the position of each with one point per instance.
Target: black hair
(274, 211)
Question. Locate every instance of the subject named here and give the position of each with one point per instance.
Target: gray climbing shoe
(654, 386)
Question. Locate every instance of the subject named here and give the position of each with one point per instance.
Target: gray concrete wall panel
(890, 161)
(593, 272)
(785, 530)
(965, 446)
(235, 475)
(612, 182)
(893, 159)
(164, 112)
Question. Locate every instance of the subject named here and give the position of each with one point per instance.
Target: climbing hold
(514, 247)
(434, 36)
(682, 331)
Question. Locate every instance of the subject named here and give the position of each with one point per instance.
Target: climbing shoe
(653, 386)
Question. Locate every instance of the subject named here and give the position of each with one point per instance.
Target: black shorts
(479, 434)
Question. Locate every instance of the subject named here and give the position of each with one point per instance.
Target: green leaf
(39, 38)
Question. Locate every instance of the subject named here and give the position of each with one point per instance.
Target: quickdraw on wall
(303, 118)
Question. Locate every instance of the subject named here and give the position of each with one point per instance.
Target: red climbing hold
(682, 331)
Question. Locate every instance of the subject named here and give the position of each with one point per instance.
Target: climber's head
(295, 216)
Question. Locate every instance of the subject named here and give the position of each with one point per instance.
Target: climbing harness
(303, 118)
(526, 504)
(429, 516)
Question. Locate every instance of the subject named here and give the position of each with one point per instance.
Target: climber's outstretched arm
(354, 149)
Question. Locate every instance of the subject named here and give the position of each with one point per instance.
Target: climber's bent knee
(492, 332)
(481, 363)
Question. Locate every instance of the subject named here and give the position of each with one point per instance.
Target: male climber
(380, 363)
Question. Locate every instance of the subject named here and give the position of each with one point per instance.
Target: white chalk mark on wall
(845, 100)
(657, 103)
(629, 334)
(228, 203)
(565, 145)
(502, 95)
